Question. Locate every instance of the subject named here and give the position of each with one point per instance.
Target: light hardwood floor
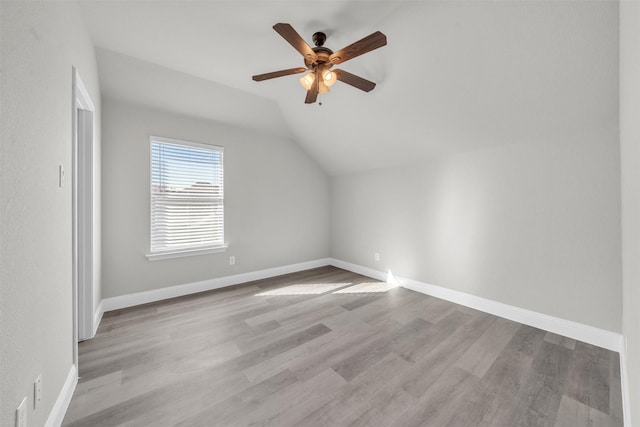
(327, 347)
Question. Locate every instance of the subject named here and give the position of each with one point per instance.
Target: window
(187, 203)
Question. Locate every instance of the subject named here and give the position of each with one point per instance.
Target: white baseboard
(64, 398)
(365, 271)
(589, 334)
(124, 301)
(599, 337)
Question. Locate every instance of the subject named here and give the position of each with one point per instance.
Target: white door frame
(82, 182)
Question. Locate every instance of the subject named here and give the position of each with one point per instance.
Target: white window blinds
(187, 196)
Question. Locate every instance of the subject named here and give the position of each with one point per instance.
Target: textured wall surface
(535, 225)
(276, 201)
(533, 221)
(41, 42)
(630, 154)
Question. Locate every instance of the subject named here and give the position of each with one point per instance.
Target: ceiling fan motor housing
(322, 57)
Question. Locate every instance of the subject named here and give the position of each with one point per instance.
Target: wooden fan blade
(312, 93)
(367, 44)
(273, 75)
(289, 34)
(355, 81)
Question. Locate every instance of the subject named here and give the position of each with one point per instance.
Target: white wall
(630, 154)
(534, 224)
(533, 221)
(41, 41)
(276, 201)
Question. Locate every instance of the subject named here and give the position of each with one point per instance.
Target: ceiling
(455, 76)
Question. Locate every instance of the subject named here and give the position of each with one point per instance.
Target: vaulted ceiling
(454, 76)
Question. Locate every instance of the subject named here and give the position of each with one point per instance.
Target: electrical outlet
(21, 414)
(232, 260)
(376, 256)
(37, 391)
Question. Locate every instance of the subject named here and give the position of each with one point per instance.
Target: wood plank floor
(327, 347)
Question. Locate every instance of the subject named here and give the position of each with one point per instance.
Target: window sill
(156, 256)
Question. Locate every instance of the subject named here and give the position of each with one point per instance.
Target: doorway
(83, 224)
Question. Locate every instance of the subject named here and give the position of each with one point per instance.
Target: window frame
(186, 251)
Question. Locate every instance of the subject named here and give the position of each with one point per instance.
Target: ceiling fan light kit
(319, 61)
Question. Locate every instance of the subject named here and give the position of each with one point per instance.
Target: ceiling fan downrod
(319, 38)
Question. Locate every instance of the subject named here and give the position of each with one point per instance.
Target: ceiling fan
(319, 60)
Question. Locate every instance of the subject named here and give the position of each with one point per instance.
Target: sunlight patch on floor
(391, 278)
(304, 289)
(369, 287)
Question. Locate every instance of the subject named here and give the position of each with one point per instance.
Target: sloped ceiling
(454, 76)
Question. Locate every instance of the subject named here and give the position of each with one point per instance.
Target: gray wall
(276, 201)
(41, 41)
(534, 224)
(630, 154)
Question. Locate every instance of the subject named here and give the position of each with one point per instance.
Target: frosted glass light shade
(307, 80)
(329, 78)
